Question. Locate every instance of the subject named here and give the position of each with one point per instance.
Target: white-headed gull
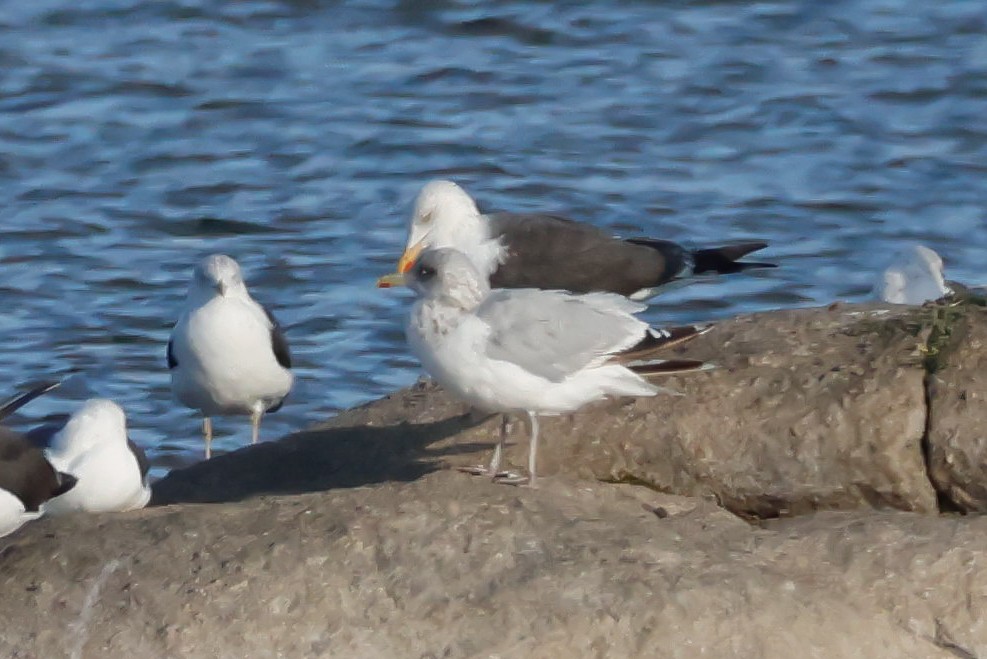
(527, 350)
(227, 354)
(94, 447)
(532, 250)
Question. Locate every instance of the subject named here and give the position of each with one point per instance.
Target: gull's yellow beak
(394, 279)
(410, 256)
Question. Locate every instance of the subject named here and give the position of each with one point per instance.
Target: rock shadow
(317, 460)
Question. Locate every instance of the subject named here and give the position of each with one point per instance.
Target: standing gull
(227, 354)
(531, 351)
(527, 250)
(93, 446)
(27, 479)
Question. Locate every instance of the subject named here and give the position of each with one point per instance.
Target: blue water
(136, 137)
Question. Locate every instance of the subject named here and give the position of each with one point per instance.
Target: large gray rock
(454, 566)
(957, 387)
(371, 547)
(809, 409)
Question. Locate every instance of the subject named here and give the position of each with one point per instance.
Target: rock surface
(455, 566)
(809, 409)
(957, 389)
(355, 539)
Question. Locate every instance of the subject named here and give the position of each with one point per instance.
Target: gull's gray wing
(552, 252)
(279, 343)
(553, 334)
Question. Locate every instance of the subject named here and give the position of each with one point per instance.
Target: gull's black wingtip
(659, 367)
(656, 340)
(726, 260)
(20, 400)
(65, 482)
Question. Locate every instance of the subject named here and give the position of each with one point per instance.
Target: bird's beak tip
(391, 280)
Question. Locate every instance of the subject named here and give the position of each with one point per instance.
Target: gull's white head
(444, 216)
(448, 275)
(217, 274)
(98, 422)
(915, 276)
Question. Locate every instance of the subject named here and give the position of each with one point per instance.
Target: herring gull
(530, 351)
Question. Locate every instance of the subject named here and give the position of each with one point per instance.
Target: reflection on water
(136, 137)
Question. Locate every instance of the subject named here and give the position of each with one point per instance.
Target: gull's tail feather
(726, 260)
(658, 340)
(11, 405)
(660, 367)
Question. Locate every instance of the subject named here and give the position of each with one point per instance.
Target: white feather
(484, 347)
(222, 343)
(12, 513)
(93, 447)
(445, 216)
(914, 276)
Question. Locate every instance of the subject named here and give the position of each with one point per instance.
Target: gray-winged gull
(528, 350)
(529, 250)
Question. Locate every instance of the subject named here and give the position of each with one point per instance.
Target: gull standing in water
(530, 250)
(93, 446)
(227, 354)
(27, 479)
(528, 350)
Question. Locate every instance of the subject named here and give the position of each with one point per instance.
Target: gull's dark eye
(424, 272)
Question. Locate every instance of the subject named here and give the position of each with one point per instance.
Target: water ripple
(293, 134)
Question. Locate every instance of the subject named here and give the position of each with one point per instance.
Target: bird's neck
(490, 255)
(81, 437)
(470, 234)
(458, 299)
(199, 298)
(437, 317)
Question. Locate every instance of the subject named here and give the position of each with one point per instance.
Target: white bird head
(449, 276)
(98, 422)
(914, 276)
(217, 274)
(444, 216)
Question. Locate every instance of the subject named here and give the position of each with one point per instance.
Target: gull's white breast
(226, 364)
